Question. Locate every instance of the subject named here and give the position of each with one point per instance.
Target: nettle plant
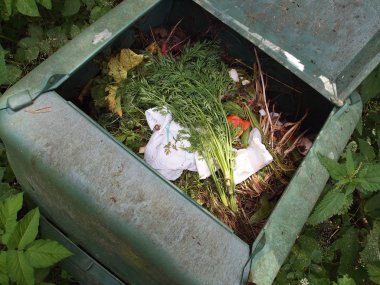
(32, 30)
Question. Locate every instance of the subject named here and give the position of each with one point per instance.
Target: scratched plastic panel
(331, 44)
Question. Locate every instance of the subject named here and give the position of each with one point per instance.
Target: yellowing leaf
(113, 102)
(153, 48)
(129, 59)
(116, 70)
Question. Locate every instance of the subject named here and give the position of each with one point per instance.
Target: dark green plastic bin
(125, 222)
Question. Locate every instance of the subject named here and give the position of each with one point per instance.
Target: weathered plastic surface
(331, 45)
(111, 203)
(286, 221)
(81, 266)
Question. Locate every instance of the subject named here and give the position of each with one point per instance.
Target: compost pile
(219, 106)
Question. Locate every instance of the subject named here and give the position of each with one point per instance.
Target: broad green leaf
(27, 7)
(28, 42)
(349, 248)
(13, 74)
(370, 87)
(345, 280)
(27, 54)
(6, 191)
(374, 272)
(4, 280)
(71, 7)
(3, 69)
(45, 253)
(350, 165)
(331, 204)
(336, 170)
(366, 150)
(372, 206)
(97, 12)
(20, 271)
(35, 31)
(369, 178)
(46, 3)
(26, 230)
(8, 214)
(371, 251)
(8, 6)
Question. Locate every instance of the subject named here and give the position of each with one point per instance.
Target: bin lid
(330, 44)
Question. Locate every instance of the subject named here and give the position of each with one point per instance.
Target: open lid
(330, 44)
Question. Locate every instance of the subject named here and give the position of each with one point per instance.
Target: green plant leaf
(46, 3)
(372, 206)
(3, 69)
(369, 178)
(71, 7)
(14, 73)
(331, 204)
(4, 279)
(74, 31)
(346, 280)
(8, 6)
(27, 7)
(371, 251)
(366, 150)
(26, 230)
(350, 165)
(97, 12)
(374, 272)
(2, 170)
(20, 271)
(336, 170)
(349, 248)
(45, 253)
(8, 214)
(41, 274)
(370, 87)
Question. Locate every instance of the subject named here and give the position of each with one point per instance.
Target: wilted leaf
(71, 7)
(19, 269)
(331, 204)
(129, 59)
(336, 170)
(27, 7)
(113, 101)
(116, 70)
(45, 253)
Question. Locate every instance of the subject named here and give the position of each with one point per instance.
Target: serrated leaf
(374, 272)
(372, 206)
(366, 150)
(71, 7)
(371, 251)
(45, 253)
(337, 171)
(349, 248)
(27, 7)
(331, 204)
(20, 271)
(46, 3)
(25, 231)
(8, 214)
(350, 165)
(369, 178)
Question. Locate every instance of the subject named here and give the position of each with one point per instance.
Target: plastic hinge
(19, 100)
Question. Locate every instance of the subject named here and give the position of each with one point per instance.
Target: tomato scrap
(238, 122)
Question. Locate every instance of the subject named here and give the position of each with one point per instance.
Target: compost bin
(124, 221)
